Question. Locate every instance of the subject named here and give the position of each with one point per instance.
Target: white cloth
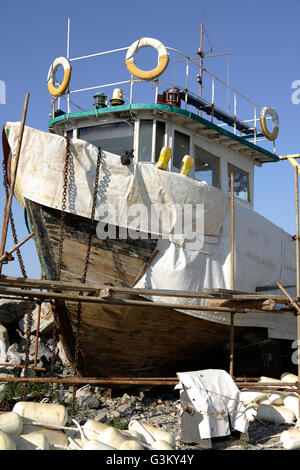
(214, 394)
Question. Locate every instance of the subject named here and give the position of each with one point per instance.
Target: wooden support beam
(96, 289)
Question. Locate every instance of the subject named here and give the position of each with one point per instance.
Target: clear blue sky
(262, 36)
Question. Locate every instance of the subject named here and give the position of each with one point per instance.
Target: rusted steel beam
(271, 384)
(9, 252)
(42, 369)
(13, 181)
(129, 303)
(93, 381)
(156, 381)
(91, 287)
(291, 300)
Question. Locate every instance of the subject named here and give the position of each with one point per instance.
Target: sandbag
(91, 426)
(47, 413)
(251, 412)
(144, 429)
(288, 377)
(73, 446)
(131, 444)
(11, 423)
(275, 414)
(97, 445)
(251, 396)
(6, 442)
(290, 439)
(115, 437)
(269, 379)
(53, 436)
(162, 445)
(276, 398)
(32, 441)
(291, 401)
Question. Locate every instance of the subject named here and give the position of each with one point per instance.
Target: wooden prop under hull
(118, 340)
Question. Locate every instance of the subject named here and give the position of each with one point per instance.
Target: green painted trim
(164, 107)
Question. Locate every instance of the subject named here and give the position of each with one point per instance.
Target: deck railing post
(231, 357)
(234, 112)
(255, 126)
(212, 99)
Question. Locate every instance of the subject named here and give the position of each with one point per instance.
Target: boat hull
(120, 340)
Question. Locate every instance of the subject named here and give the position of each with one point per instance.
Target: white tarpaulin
(123, 190)
(264, 253)
(215, 396)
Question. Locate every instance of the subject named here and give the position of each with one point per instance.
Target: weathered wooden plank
(123, 338)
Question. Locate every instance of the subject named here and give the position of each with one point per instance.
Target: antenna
(204, 55)
(68, 39)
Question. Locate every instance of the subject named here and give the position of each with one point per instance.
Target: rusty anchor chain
(24, 274)
(59, 259)
(84, 275)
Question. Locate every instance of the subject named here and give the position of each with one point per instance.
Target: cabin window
(114, 138)
(146, 139)
(160, 138)
(241, 182)
(145, 142)
(181, 148)
(206, 167)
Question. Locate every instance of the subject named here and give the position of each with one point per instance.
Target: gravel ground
(158, 408)
(162, 409)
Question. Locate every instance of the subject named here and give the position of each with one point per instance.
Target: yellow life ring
(64, 62)
(147, 74)
(268, 110)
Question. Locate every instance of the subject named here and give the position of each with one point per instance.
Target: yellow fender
(147, 74)
(64, 62)
(268, 110)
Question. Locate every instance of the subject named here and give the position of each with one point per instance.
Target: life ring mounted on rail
(147, 74)
(64, 62)
(269, 111)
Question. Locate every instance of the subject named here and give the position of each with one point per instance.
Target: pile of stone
(42, 426)
(13, 325)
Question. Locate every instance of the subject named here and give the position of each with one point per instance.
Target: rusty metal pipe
(13, 181)
(42, 369)
(2, 258)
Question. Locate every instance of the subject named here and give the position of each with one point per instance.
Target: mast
(201, 55)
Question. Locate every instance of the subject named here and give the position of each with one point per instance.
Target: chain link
(12, 223)
(24, 274)
(59, 261)
(84, 275)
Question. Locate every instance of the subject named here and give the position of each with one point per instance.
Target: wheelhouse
(147, 128)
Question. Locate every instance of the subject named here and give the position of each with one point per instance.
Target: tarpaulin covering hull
(264, 253)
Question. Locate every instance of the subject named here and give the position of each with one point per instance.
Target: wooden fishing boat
(122, 340)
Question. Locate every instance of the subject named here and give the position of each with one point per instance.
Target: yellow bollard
(164, 157)
(186, 165)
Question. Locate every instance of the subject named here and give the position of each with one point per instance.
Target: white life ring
(64, 62)
(268, 110)
(147, 74)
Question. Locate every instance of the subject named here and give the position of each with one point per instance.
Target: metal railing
(185, 84)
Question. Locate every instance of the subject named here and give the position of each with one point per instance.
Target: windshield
(114, 138)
